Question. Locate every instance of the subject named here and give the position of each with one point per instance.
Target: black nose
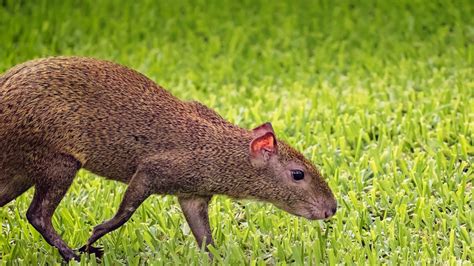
(330, 212)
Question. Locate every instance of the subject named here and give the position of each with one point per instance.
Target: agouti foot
(71, 257)
(98, 251)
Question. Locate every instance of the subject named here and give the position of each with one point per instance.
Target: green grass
(379, 94)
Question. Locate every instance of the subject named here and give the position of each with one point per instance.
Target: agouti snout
(58, 115)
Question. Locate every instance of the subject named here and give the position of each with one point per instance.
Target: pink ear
(265, 142)
(262, 144)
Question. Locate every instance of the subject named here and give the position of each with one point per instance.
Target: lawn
(379, 94)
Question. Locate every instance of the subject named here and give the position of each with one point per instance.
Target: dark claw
(98, 251)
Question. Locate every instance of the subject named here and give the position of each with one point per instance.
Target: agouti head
(293, 183)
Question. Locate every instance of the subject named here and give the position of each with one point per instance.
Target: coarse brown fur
(60, 114)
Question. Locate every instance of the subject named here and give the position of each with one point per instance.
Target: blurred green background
(379, 94)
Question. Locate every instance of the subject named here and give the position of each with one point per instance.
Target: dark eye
(297, 174)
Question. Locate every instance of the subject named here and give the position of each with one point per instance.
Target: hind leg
(53, 179)
(13, 181)
(12, 186)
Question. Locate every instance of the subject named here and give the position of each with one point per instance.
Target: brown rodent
(60, 114)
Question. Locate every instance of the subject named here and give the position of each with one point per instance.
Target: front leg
(195, 209)
(138, 190)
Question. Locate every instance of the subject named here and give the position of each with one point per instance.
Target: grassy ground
(379, 94)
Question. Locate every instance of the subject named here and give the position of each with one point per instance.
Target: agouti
(60, 114)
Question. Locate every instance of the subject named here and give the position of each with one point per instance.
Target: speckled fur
(60, 114)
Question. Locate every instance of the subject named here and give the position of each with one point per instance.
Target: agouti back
(60, 114)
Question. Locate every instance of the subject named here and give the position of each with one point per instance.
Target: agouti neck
(228, 167)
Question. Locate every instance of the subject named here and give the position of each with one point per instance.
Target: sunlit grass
(380, 96)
